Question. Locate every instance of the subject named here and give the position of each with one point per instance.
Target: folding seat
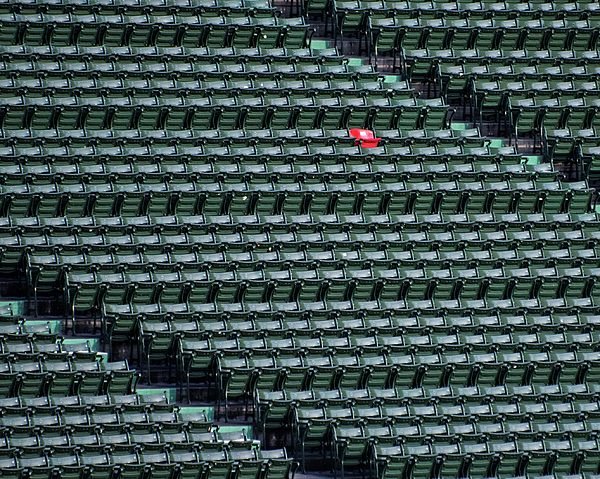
(384, 37)
(91, 378)
(588, 464)
(198, 362)
(393, 462)
(297, 373)
(409, 116)
(128, 465)
(545, 371)
(235, 380)
(312, 428)
(324, 374)
(436, 34)
(120, 378)
(435, 115)
(349, 19)
(32, 381)
(158, 344)
(277, 462)
(424, 459)
(44, 275)
(486, 370)
(62, 378)
(351, 448)
(579, 197)
(578, 292)
(566, 457)
(273, 409)
(489, 99)
(190, 466)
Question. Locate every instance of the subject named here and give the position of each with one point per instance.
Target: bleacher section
(529, 66)
(179, 177)
(66, 413)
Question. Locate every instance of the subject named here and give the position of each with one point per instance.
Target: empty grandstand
(249, 239)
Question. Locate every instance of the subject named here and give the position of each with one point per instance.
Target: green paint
(170, 393)
(320, 44)
(102, 357)
(55, 326)
(247, 430)
(459, 126)
(209, 412)
(533, 160)
(355, 62)
(93, 342)
(391, 78)
(497, 143)
(12, 308)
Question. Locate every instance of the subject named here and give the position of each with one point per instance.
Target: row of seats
(138, 425)
(460, 224)
(414, 152)
(66, 35)
(182, 233)
(379, 334)
(275, 113)
(370, 333)
(59, 7)
(569, 403)
(238, 378)
(262, 203)
(536, 298)
(225, 57)
(326, 171)
(468, 145)
(42, 20)
(16, 346)
(124, 179)
(59, 424)
(24, 330)
(80, 404)
(188, 91)
(345, 369)
(333, 353)
(297, 205)
(552, 74)
(301, 178)
(501, 459)
(74, 177)
(467, 223)
(478, 464)
(485, 424)
(475, 403)
(217, 80)
(568, 282)
(88, 74)
(119, 233)
(297, 265)
(192, 465)
(383, 342)
(129, 441)
(364, 328)
(464, 34)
